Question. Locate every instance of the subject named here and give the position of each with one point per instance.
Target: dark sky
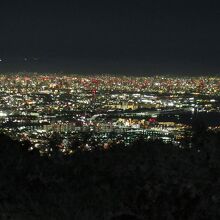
(135, 37)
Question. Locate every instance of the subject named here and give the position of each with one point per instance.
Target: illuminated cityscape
(109, 109)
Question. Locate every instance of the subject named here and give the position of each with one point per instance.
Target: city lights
(34, 106)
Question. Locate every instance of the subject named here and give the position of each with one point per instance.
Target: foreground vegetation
(147, 180)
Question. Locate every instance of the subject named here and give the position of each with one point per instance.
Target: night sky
(133, 37)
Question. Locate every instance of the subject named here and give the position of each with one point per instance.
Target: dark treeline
(147, 180)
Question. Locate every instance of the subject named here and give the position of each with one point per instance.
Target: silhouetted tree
(146, 180)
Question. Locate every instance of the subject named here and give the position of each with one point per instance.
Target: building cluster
(110, 108)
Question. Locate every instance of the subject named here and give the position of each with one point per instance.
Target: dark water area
(209, 118)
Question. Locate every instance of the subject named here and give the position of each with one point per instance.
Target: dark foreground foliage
(149, 180)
